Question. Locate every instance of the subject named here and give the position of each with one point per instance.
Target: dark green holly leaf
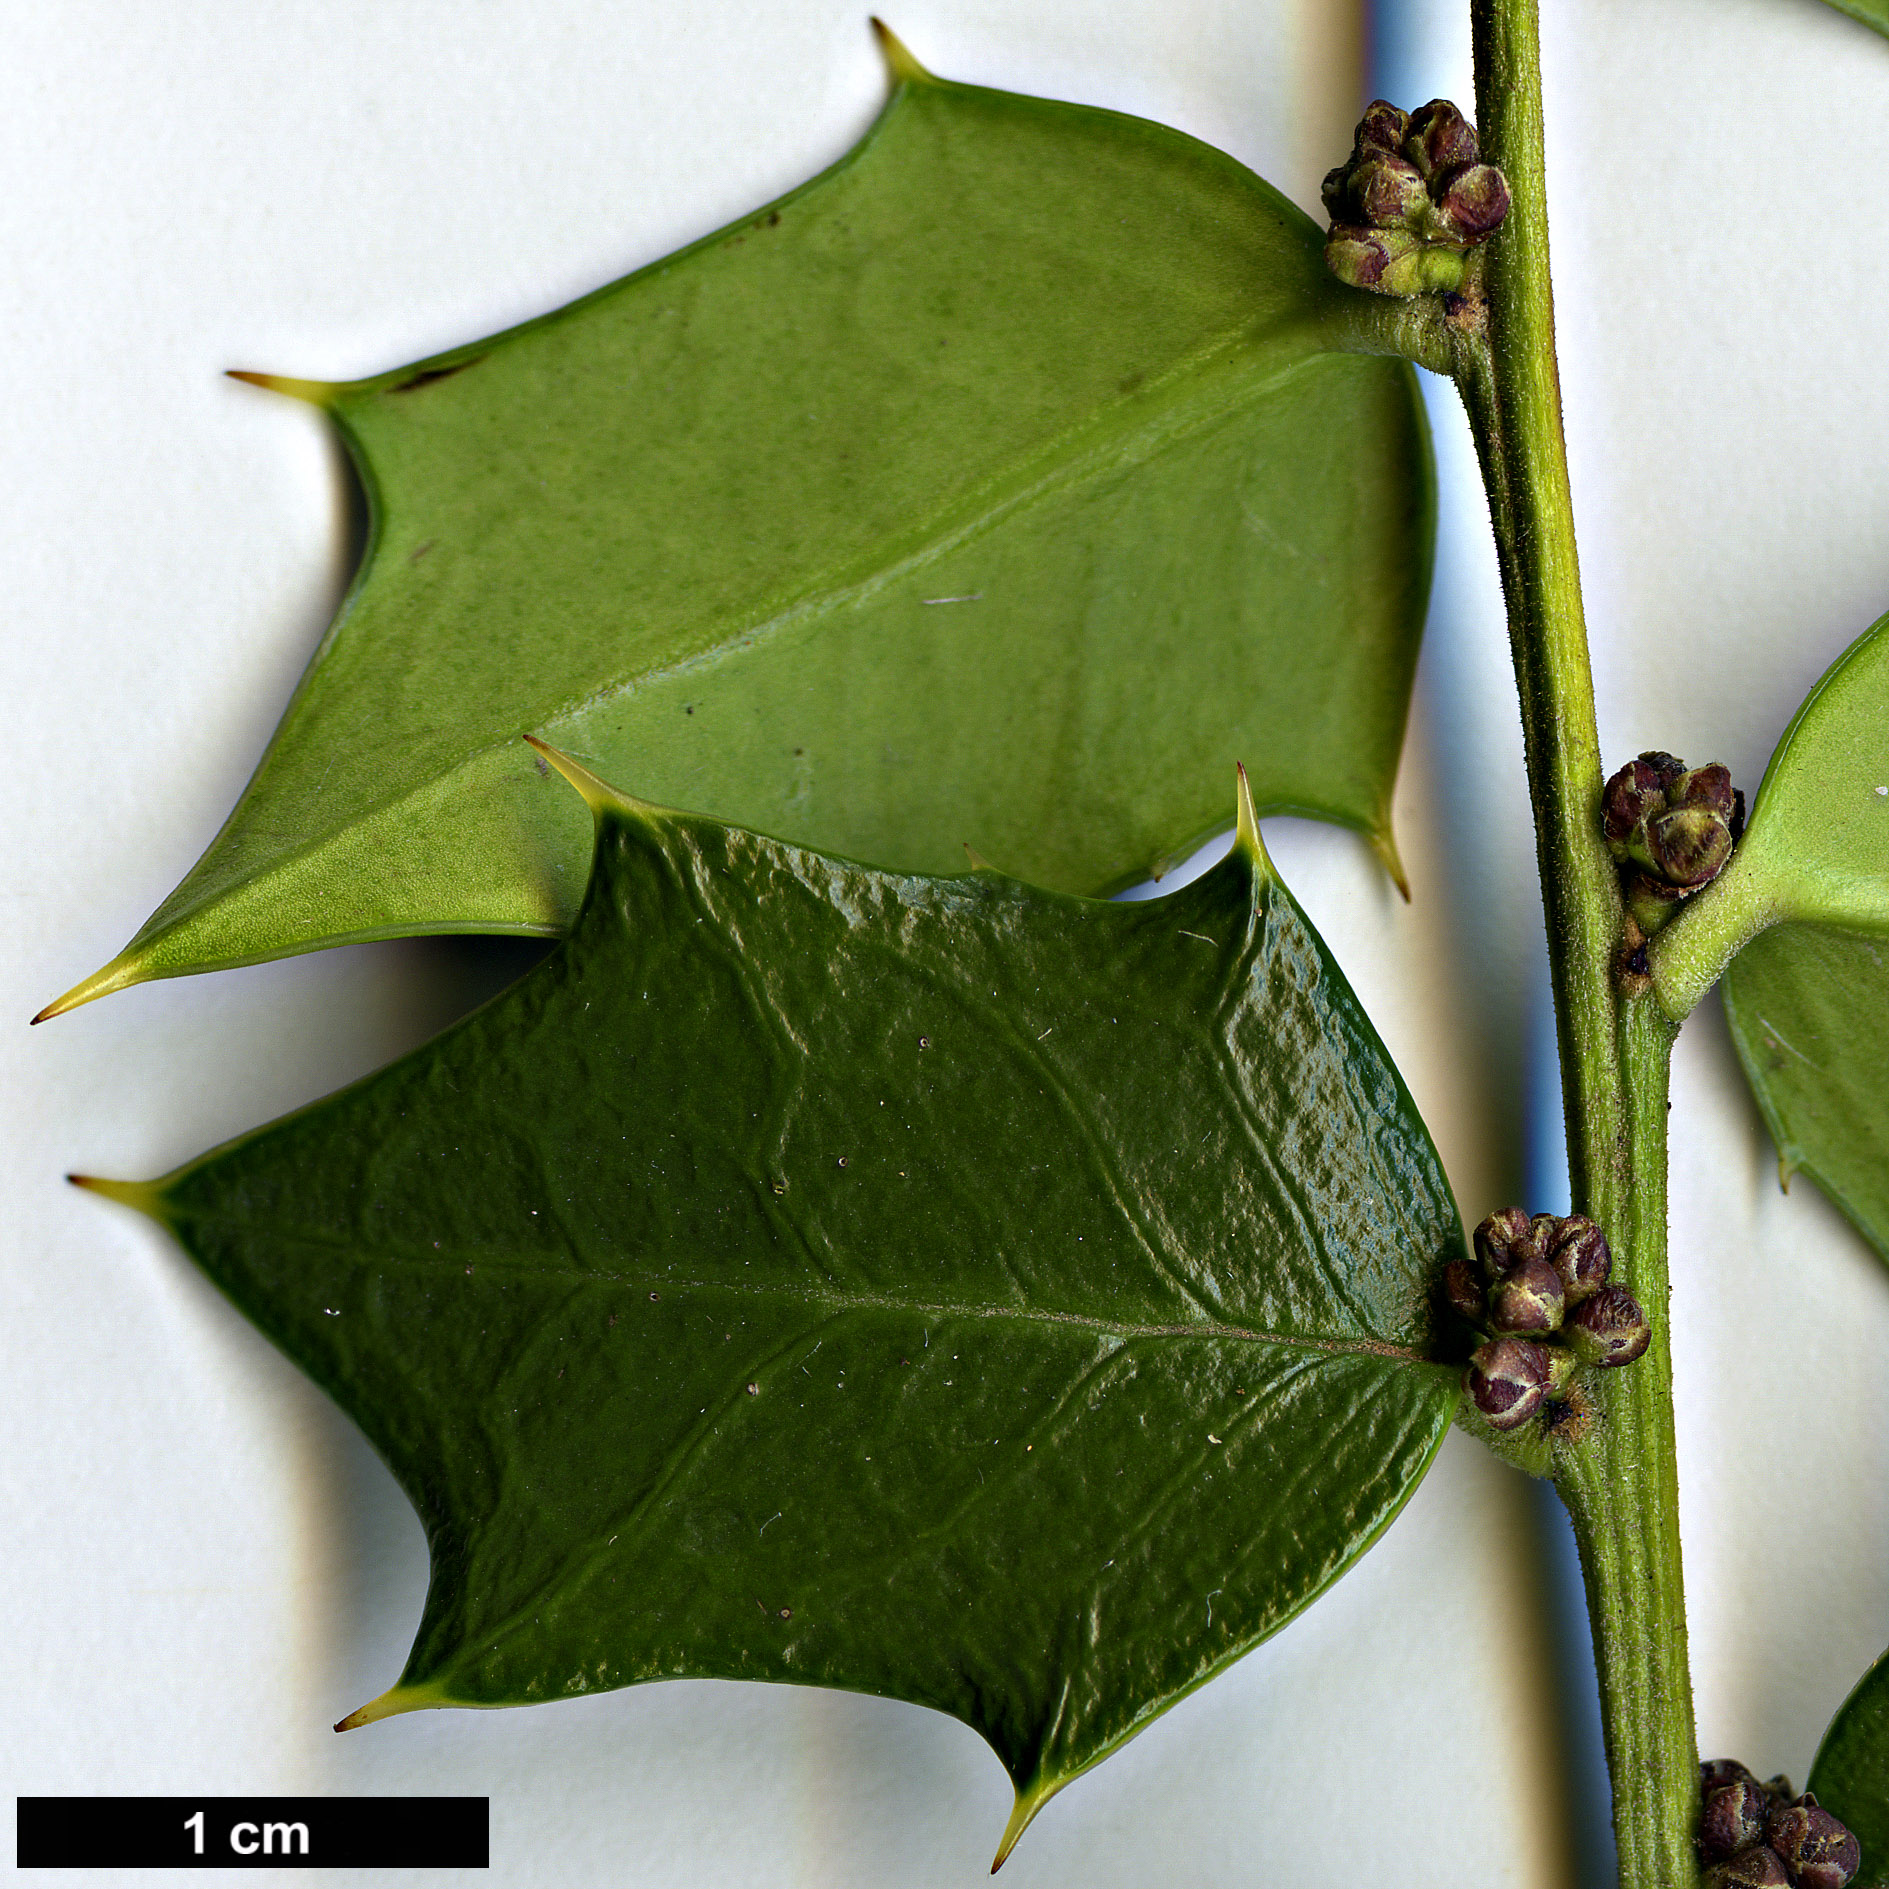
(1851, 1776)
(998, 486)
(1011, 1302)
(1808, 998)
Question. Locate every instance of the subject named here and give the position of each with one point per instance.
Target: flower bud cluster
(1411, 201)
(1538, 1287)
(1765, 1835)
(1670, 828)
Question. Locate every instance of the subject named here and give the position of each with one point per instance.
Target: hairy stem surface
(1619, 1482)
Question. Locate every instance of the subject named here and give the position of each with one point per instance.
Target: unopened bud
(1463, 1289)
(1360, 257)
(1685, 846)
(1528, 1299)
(1780, 1790)
(1708, 788)
(1508, 1380)
(1495, 1238)
(1439, 138)
(1818, 1851)
(1756, 1868)
(1716, 1773)
(1630, 795)
(1582, 1257)
(1608, 1329)
(1382, 128)
(1475, 203)
(1733, 1819)
(1387, 191)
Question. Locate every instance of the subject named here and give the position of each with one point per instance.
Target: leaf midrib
(833, 1302)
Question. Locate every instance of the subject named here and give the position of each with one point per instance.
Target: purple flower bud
(1494, 1238)
(1475, 202)
(1527, 1299)
(1333, 192)
(1733, 1819)
(1716, 1773)
(1818, 1851)
(1582, 1257)
(1508, 1380)
(1686, 846)
(1364, 258)
(1755, 1868)
(1463, 1289)
(1708, 787)
(1439, 138)
(1780, 1790)
(1608, 1329)
(1387, 191)
(1382, 129)
(1629, 796)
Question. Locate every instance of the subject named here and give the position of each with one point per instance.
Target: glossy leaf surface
(994, 487)
(1005, 1301)
(1808, 1001)
(1851, 1775)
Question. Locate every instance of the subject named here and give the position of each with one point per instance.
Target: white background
(204, 1565)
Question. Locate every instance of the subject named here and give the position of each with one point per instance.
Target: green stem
(1619, 1481)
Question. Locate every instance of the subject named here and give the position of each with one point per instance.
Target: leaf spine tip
(1246, 837)
(122, 972)
(318, 393)
(1384, 845)
(1022, 1815)
(978, 862)
(141, 1195)
(904, 68)
(599, 796)
(391, 1704)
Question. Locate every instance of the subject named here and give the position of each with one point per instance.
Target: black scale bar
(254, 1832)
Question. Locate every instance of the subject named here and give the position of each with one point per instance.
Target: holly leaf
(996, 486)
(1808, 1000)
(1850, 1778)
(1871, 12)
(1011, 1302)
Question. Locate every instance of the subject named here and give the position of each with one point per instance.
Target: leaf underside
(1010, 1302)
(995, 487)
(1851, 1775)
(1808, 1001)
(1808, 1007)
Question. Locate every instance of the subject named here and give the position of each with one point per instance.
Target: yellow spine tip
(143, 1196)
(1246, 837)
(904, 68)
(1384, 845)
(120, 974)
(391, 1704)
(318, 393)
(978, 862)
(599, 796)
(1022, 1814)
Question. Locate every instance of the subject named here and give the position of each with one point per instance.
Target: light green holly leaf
(999, 486)
(1807, 897)
(1015, 1303)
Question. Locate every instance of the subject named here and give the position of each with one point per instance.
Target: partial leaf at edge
(993, 487)
(1808, 1001)
(1010, 1302)
(1808, 1007)
(1870, 12)
(1851, 1775)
